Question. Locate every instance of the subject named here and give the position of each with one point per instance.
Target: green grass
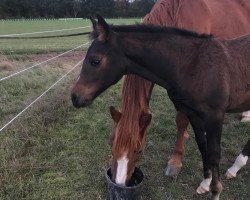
(25, 46)
(54, 151)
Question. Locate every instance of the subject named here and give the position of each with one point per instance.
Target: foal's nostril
(74, 100)
(80, 101)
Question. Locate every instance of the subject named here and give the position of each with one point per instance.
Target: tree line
(73, 8)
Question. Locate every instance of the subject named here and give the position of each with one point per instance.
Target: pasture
(24, 46)
(54, 151)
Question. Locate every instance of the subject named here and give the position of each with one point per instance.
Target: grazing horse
(205, 77)
(225, 19)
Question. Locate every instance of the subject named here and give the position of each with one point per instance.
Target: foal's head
(127, 141)
(104, 65)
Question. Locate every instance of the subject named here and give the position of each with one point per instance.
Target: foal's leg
(175, 164)
(199, 130)
(245, 116)
(213, 133)
(240, 161)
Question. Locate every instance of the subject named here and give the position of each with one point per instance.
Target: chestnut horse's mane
(134, 103)
(135, 97)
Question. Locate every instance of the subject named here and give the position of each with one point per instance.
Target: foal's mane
(144, 28)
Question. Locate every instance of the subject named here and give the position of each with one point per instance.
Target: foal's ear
(103, 29)
(94, 34)
(94, 22)
(115, 114)
(144, 120)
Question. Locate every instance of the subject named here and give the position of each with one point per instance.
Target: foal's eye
(95, 62)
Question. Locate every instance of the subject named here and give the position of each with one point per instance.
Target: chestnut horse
(225, 19)
(205, 77)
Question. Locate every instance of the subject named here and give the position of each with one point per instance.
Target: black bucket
(118, 192)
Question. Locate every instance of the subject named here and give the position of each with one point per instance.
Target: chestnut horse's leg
(175, 163)
(240, 161)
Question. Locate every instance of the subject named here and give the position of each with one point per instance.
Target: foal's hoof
(245, 119)
(202, 190)
(230, 174)
(172, 170)
(215, 197)
(216, 191)
(204, 186)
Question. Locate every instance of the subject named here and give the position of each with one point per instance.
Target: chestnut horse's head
(103, 66)
(127, 141)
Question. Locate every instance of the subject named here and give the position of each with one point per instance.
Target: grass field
(24, 46)
(54, 151)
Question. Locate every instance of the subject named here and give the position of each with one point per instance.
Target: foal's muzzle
(79, 102)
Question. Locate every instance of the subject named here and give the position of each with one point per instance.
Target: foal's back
(238, 55)
(220, 74)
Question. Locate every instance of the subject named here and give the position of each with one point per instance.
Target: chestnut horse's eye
(139, 152)
(95, 62)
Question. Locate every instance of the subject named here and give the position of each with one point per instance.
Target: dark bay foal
(204, 77)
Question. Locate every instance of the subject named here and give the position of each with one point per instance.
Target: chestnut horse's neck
(157, 56)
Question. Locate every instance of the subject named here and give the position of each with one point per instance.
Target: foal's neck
(157, 57)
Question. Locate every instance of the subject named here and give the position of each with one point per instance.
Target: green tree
(140, 8)
(102, 7)
(73, 8)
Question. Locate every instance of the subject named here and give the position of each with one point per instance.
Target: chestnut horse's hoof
(172, 170)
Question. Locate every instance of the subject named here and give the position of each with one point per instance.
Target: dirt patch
(65, 62)
(69, 57)
(6, 66)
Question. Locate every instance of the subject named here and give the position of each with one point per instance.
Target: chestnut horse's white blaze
(240, 161)
(204, 186)
(122, 169)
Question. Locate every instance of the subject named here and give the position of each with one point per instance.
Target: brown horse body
(205, 77)
(225, 19)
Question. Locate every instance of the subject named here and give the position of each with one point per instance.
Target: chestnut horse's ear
(103, 29)
(145, 119)
(115, 114)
